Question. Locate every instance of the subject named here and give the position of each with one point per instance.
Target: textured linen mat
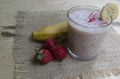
(106, 64)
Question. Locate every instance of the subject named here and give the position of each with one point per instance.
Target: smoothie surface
(82, 17)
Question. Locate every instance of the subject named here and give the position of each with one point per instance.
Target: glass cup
(84, 42)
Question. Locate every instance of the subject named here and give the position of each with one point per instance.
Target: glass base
(80, 58)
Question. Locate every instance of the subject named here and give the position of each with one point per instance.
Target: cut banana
(109, 12)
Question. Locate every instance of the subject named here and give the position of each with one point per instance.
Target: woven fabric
(106, 64)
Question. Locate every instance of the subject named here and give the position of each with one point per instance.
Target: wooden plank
(6, 57)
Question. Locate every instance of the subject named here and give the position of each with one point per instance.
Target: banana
(109, 12)
(51, 31)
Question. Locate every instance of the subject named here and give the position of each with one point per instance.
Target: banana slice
(109, 11)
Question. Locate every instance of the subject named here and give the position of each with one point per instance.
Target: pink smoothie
(85, 38)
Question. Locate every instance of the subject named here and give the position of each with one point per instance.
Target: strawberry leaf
(61, 38)
(39, 56)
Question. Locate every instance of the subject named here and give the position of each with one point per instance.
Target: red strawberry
(59, 52)
(48, 44)
(91, 20)
(44, 56)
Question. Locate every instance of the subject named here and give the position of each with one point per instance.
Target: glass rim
(96, 8)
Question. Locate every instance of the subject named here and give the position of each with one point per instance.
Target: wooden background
(8, 10)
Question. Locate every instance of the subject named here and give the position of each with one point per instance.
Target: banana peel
(58, 31)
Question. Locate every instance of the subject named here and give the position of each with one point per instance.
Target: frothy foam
(81, 17)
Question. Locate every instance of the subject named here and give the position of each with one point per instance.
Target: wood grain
(6, 58)
(8, 10)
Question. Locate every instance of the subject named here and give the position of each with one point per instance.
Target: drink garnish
(109, 12)
(92, 17)
(92, 20)
(103, 23)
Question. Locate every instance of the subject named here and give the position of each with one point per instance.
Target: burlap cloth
(106, 64)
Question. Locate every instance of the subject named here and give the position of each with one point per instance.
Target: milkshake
(86, 32)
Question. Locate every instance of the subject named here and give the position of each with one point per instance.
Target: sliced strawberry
(91, 17)
(103, 23)
(59, 52)
(91, 20)
(48, 44)
(44, 56)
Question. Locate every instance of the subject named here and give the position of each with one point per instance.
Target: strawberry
(59, 52)
(44, 56)
(48, 44)
(91, 20)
